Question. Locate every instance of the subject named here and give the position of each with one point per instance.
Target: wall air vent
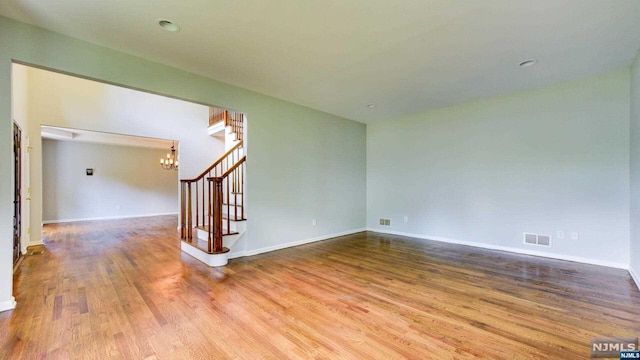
(537, 239)
(544, 240)
(530, 239)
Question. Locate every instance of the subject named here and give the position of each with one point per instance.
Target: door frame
(26, 193)
(17, 192)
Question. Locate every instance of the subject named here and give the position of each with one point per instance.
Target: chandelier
(171, 162)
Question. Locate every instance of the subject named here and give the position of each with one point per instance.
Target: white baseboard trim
(8, 305)
(35, 243)
(578, 259)
(105, 218)
(253, 252)
(635, 276)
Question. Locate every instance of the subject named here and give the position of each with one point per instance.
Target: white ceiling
(67, 134)
(404, 56)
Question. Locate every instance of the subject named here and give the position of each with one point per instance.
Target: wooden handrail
(231, 169)
(220, 160)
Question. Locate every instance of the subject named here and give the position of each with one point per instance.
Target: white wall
(66, 101)
(301, 163)
(535, 161)
(634, 266)
(127, 182)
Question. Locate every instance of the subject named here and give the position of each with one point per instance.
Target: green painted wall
(538, 161)
(302, 164)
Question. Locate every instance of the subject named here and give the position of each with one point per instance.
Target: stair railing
(231, 118)
(225, 193)
(216, 115)
(196, 193)
(236, 121)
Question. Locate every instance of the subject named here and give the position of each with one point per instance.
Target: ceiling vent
(537, 239)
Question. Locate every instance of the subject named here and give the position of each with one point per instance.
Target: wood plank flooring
(123, 290)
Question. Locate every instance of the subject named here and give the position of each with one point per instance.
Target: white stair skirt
(227, 241)
(209, 259)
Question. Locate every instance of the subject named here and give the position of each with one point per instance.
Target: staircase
(212, 207)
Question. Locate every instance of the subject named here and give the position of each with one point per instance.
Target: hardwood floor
(122, 289)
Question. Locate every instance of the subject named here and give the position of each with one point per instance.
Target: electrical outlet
(560, 234)
(313, 222)
(406, 219)
(575, 236)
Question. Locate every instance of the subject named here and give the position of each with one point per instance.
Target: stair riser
(231, 205)
(234, 216)
(233, 213)
(236, 226)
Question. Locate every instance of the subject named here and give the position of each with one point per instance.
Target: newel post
(189, 219)
(217, 215)
(183, 224)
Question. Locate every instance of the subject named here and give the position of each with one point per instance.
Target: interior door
(17, 203)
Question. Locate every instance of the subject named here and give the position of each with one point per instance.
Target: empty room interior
(320, 180)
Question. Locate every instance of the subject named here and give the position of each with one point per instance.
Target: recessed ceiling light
(529, 62)
(371, 106)
(168, 25)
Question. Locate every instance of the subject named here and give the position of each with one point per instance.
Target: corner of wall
(635, 275)
(8, 305)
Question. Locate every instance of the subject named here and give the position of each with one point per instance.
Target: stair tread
(223, 233)
(224, 218)
(202, 245)
(232, 219)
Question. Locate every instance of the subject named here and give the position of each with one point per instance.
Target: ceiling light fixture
(529, 62)
(168, 25)
(171, 162)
